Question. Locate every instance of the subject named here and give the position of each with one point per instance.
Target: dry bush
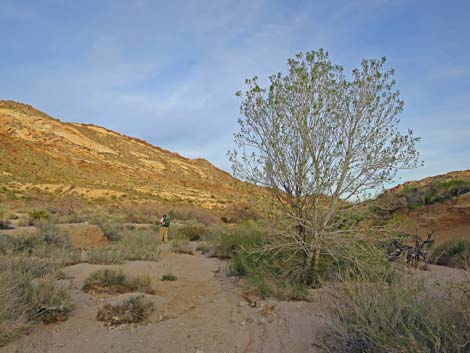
(453, 253)
(116, 281)
(404, 316)
(132, 310)
(142, 245)
(192, 231)
(29, 294)
(181, 245)
(169, 277)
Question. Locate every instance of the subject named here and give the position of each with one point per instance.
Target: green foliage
(453, 253)
(116, 281)
(402, 317)
(132, 310)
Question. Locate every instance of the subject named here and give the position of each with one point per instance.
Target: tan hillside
(440, 203)
(39, 151)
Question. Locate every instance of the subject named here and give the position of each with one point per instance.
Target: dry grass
(405, 316)
(132, 310)
(116, 281)
(29, 293)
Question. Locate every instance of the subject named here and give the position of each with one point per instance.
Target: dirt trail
(203, 311)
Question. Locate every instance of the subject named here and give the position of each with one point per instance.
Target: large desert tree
(321, 140)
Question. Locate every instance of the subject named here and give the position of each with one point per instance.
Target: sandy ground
(202, 312)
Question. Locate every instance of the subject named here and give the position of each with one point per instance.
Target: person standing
(164, 226)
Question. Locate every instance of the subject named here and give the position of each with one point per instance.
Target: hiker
(164, 225)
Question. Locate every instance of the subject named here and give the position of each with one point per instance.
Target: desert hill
(39, 151)
(440, 203)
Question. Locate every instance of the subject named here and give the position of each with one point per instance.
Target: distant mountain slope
(36, 149)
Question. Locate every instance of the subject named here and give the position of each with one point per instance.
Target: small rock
(243, 323)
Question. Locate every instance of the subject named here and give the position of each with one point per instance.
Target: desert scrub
(41, 246)
(116, 281)
(277, 269)
(37, 215)
(135, 245)
(181, 245)
(133, 310)
(169, 277)
(192, 231)
(140, 245)
(112, 227)
(29, 295)
(404, 316)
(105, 256)
(453, 253)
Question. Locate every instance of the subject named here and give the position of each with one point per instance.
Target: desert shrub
(278, 269)
(35, 267)
(169, 277)
(40, 246)
(192, 231)
(181, 245)
(135, 245)
(29, 295)
(400, 317)
(105, 256)
(6, 214)
(193, 213)
(132, 310)
(453, 253)
(140, 245)
(413, 196)
(116, 281)
(240, 212)
(113, 229)
(38, 214)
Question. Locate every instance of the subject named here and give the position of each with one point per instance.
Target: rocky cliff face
(91, 161)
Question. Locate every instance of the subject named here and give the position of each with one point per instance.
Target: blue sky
(167, 71)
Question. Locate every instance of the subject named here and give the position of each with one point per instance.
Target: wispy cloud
(167, 71)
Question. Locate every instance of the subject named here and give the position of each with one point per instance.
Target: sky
(167, 71)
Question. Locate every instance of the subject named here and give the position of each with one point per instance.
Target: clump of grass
(453, 253)
(169, 277)
(116, 281)
(401, 317)
(29, 294)
(132, 310)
